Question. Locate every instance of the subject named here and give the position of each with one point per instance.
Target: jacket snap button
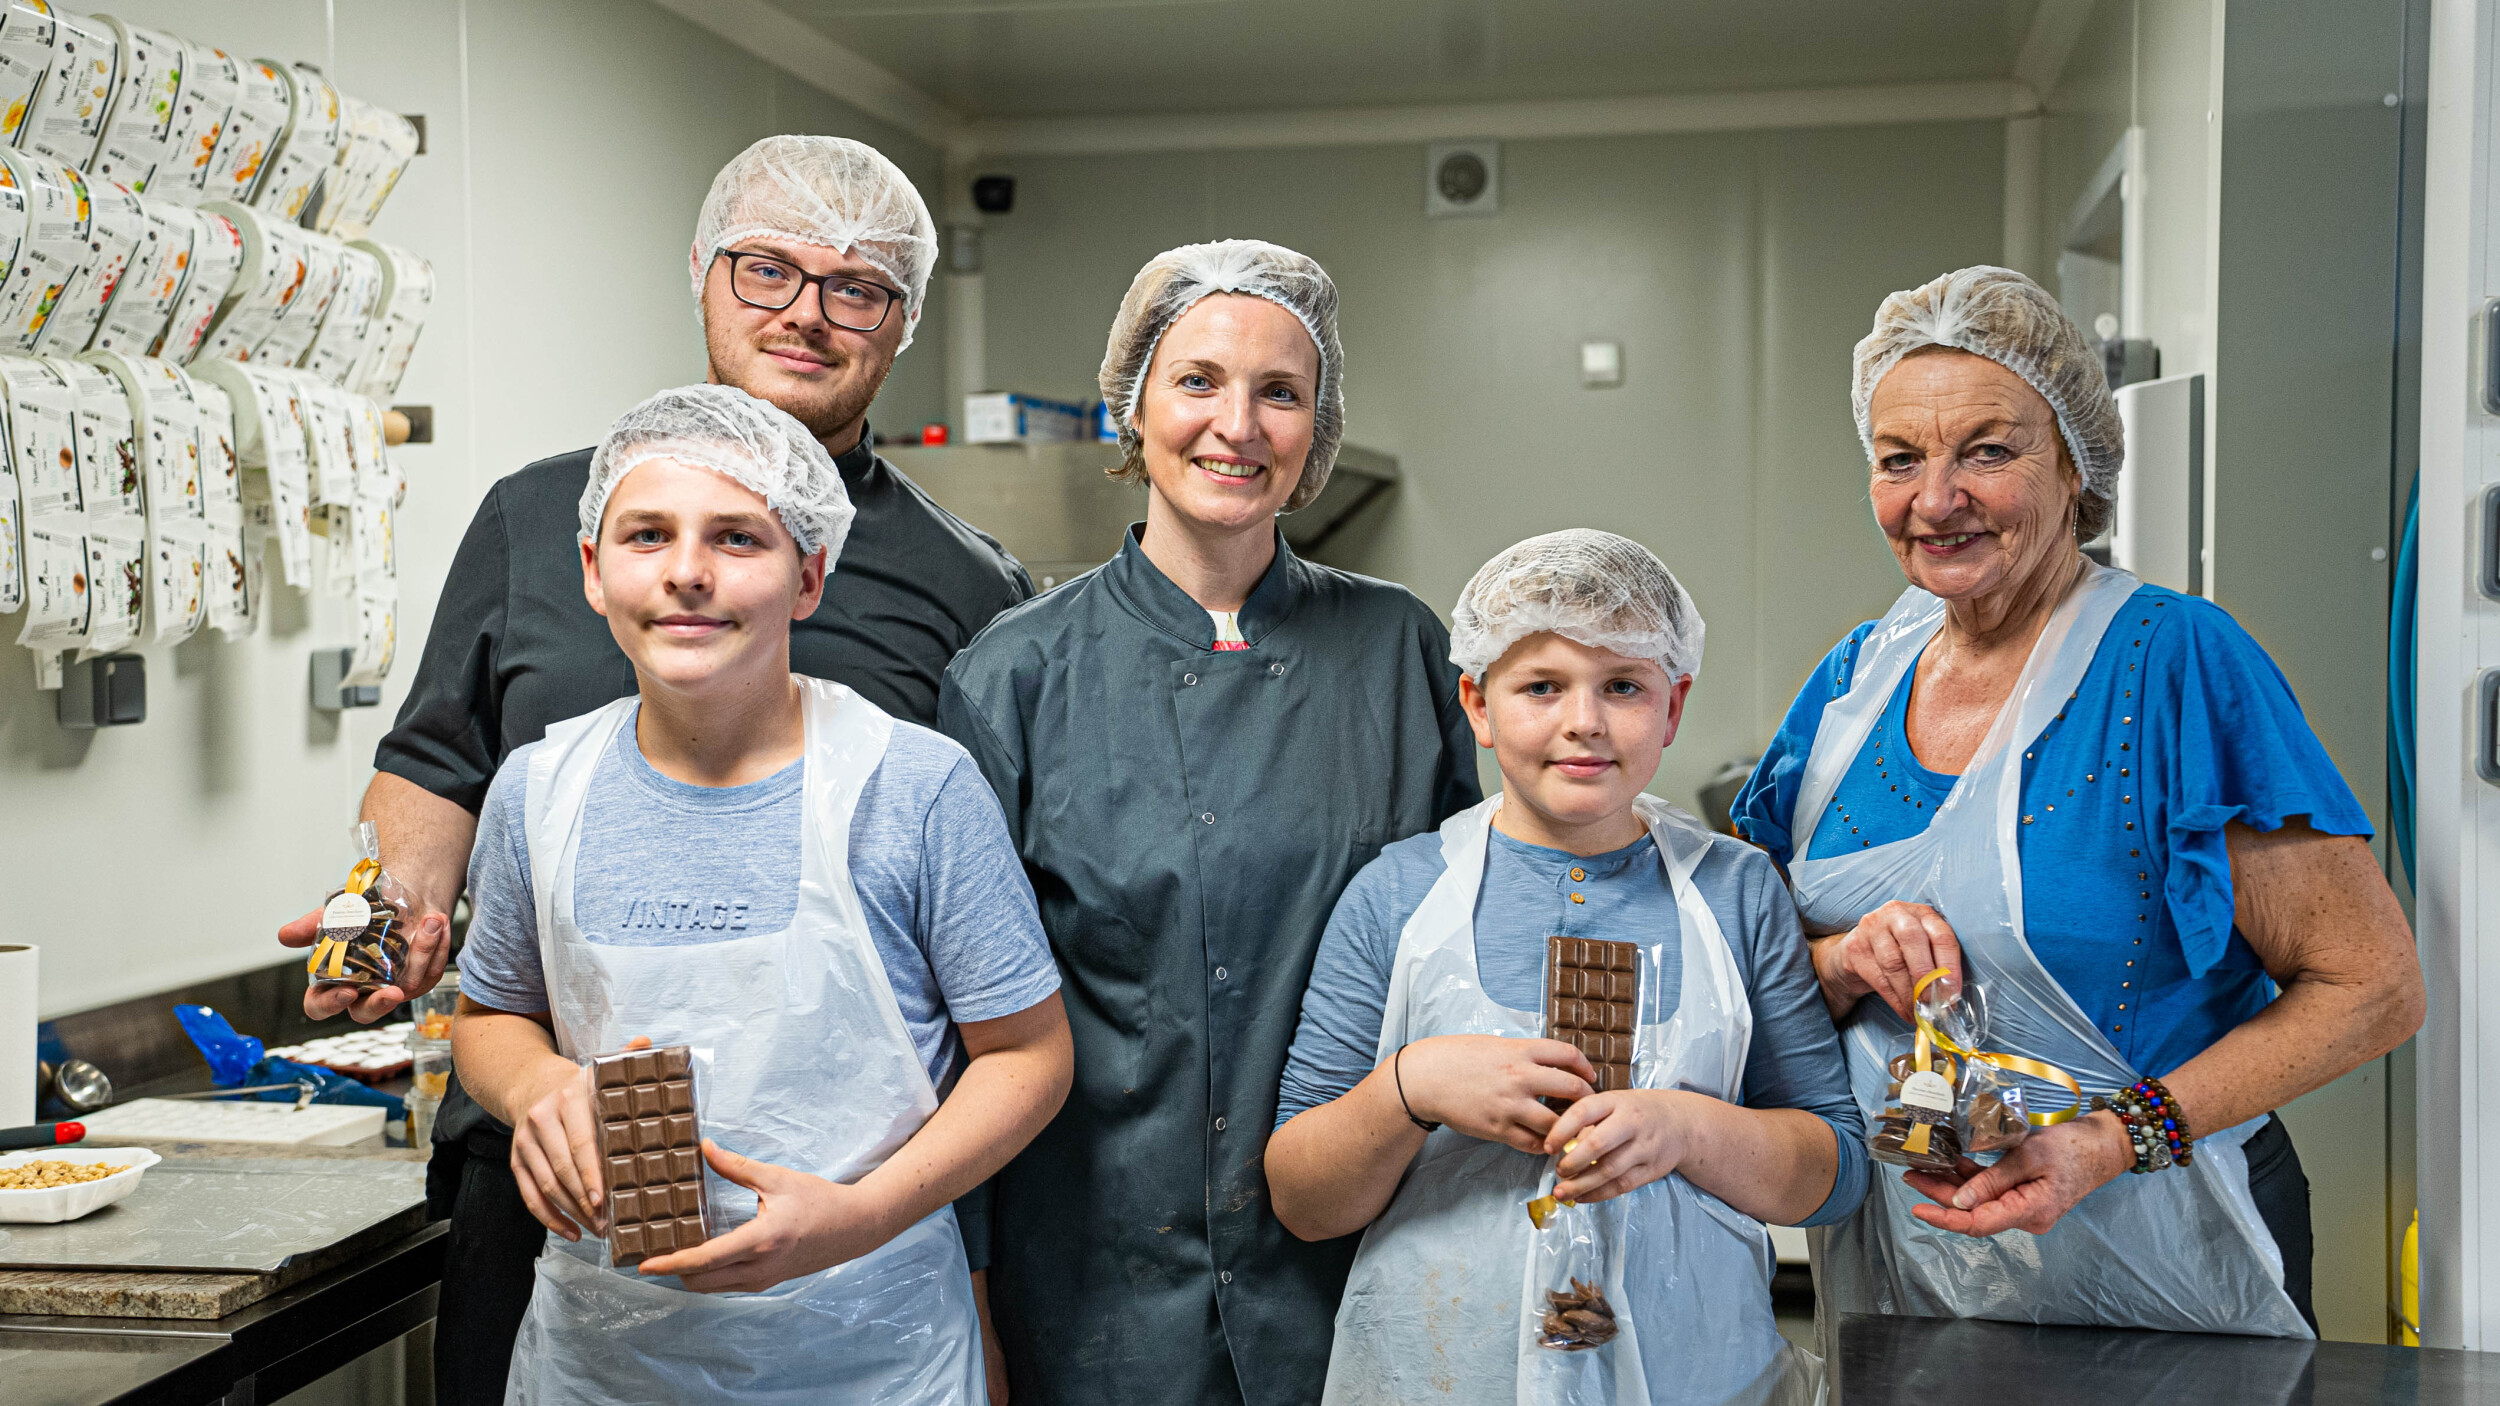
(1220, 973)
(1277, 670)
(1190, 679)
(1209, 817)
(1226, 1277)
(1219, 1125)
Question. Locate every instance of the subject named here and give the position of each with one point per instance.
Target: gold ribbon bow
(1929, 1040)
(331, 950)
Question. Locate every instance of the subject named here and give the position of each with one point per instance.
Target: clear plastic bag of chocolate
(364, 924)
(1949, 1097)
(1574, 1246)
(1596, 994)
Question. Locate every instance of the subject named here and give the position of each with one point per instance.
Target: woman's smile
(1229, 470)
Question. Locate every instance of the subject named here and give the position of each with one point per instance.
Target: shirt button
(1220, 973)
(1209, 817)
(1190, 679)
(1578, 899)
(1276, 671)
(1578, 874)
(1226, 1277)
(1219, 1125)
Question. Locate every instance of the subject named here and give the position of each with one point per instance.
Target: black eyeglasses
(773, 283)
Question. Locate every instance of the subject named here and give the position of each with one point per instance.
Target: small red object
(932, 434)
(63, 1133)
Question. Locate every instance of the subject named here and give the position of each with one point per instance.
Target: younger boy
(1415, 1095)
(819, 899)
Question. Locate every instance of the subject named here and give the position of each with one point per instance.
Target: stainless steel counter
(1882, 1361)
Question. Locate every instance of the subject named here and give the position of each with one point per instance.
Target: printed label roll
(379, 146)
(138, 132)
(254, 122)
(211, 82)
(277, 264)
(308, 146)
(298, 323)
(71, 106)
(26, 30)
(57, 229)
(216, 260)
(407, 296)
(116, 226)
(143, 299)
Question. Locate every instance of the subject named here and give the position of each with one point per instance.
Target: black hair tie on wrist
(1398, 1072)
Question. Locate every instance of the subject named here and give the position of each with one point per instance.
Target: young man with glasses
(811, 262)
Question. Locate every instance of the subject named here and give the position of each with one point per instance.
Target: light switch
(1601, 364)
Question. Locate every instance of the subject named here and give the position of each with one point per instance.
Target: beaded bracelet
(2156, 1126)
(2163, 1115)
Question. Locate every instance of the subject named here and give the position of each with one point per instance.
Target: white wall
(556, 201)
(1737, 269)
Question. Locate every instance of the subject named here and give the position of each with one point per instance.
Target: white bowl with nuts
(48, 1184)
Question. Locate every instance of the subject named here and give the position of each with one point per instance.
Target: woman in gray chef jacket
(1196, 744)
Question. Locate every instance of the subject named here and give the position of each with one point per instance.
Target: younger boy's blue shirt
(666, 864)
(2180, 725)
(1794, 1060)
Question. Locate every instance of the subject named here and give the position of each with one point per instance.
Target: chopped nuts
(46, 1173)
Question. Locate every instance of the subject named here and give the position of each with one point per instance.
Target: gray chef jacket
(1188, 818)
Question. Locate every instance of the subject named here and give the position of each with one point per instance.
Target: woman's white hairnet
(1172, 282)
(2005, 317)
(750, 442)
(832, 191)
(1590, 587)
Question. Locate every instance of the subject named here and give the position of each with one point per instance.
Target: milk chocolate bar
(1593, 1001)
(651, 1150)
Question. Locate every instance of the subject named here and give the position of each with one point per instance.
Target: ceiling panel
(1026, 58)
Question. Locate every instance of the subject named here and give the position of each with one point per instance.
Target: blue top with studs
(2182, 724)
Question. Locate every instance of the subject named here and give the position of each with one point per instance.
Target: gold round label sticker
(346, 916)
(1927, 1089)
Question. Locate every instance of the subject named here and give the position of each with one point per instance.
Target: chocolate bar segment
(1593, 1001)
(653, 1150)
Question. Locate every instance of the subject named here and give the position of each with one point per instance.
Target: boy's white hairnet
(833, 191)
(750, 442)
(1590, 587)
(2005, 317)
(1172, 283)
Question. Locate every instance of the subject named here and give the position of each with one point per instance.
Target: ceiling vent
(1462, 178)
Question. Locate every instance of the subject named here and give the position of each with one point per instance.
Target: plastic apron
(810, 1067)
(1442, 1304)
(2182, 1249)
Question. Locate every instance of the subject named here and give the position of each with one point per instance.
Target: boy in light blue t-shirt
(821, 898)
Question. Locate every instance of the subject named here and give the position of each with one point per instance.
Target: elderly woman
(1197, 745)
(2099, 801)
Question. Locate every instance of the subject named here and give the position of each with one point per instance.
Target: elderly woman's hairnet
(1171, 283)
(2005, 317)
(748, 441)
(1591, 587)
(832, 191)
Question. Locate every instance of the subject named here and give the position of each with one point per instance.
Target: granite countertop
(143, 1294)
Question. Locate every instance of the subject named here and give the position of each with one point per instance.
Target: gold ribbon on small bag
(1923, 1056)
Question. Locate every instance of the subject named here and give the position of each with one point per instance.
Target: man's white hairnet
(2005, 317)
(1172, 283)
(750, 442)
(830, 191)
(1590, 587)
